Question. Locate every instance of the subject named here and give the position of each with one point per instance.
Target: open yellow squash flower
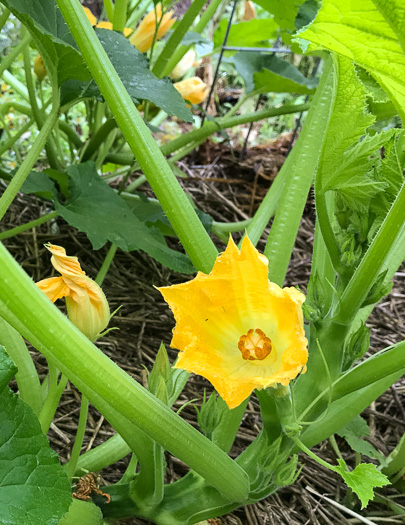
(143, 35)
(103, 25)
(192, 89)
(236, 328)
(86, 303)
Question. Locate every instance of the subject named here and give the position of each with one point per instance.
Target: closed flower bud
(143, 36)
(39, 68)
(86, 303)
(192, 89)
(184, 65)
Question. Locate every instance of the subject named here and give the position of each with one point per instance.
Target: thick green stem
(4, 17)
(182, 49)
(177, 36)
(98, 378)
(26, 377)
(301, 165)
(373, 261)
(225, 433)
(120, 14)
(28, 226)
(70, 467)
(9, 59)
(268, 206)
(174, 201)
(109, 7)
(29, 161)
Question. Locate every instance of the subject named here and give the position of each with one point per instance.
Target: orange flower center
(254, 345)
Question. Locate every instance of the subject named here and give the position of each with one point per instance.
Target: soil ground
(229, 190)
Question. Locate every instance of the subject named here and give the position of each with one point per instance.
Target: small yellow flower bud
(192, 89)
(39, 68)
(142, 38)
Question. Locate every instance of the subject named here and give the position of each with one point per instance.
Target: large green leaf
(347, 124)
(34, 488)
(371, 33)
(52, 36)
(133, 69)
(284, 12)
(254, 33)
(270, 73)
(97, 210)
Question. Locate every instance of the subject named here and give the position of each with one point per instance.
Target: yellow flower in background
(108, 25)
(103, 25)
(236, 328)
(192, 89)
(143, 35)
(86, 303)
(184, 65)
(39, 68)
(92, 19)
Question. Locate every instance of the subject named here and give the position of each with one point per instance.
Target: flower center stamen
(255, 345)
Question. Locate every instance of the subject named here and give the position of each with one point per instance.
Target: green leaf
(7, 369)
(40, 184)
(284, 12)
(306, 13)
(191, 37)
(371, 33)
(347, 124)
(82, 513)
(34, 488)
(97, 210)
(270, 73)
(352, 433)
(52, 37)
(133, 69)
(362, 480)
(254, 33)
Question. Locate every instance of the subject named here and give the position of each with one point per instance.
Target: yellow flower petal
(86, 303)
(142, 38)
(105, 25)
(236, 328)
(91, 18)
(192, 89)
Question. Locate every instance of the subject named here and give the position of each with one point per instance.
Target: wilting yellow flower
(39, 68)
(143, 35)
(236, 328)
(86, 303)
(103, 25)
(250, 11)
(184, 65)
(192, 89)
